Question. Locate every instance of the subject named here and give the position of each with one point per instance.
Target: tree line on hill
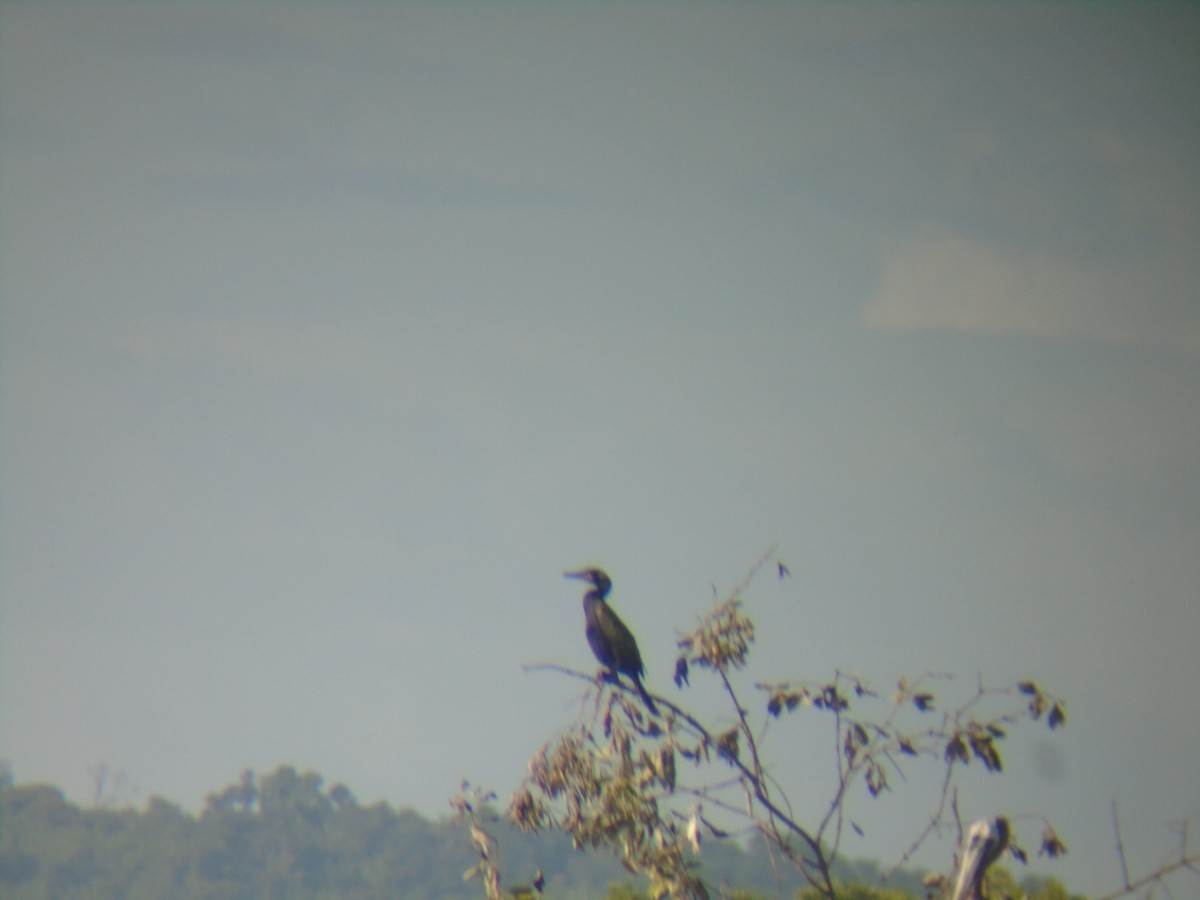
(285, 835)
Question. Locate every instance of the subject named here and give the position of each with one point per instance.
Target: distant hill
(285, 836)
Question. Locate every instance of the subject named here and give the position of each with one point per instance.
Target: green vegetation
(285, 835)
(281, 836)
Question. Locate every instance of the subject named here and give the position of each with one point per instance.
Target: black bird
(612, 642)
(985, 842)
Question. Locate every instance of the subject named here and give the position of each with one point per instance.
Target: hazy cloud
(942, 280)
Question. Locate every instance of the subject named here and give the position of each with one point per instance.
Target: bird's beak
(575, 574)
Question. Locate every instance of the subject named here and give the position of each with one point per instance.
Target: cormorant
(985, 842)
(613, 643)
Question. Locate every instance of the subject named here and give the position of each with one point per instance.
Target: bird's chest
(599, 636)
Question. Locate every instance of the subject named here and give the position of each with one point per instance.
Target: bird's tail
(646, 697)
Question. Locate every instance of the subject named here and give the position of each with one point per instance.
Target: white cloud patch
(942, 280)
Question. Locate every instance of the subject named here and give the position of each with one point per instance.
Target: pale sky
(332, 333)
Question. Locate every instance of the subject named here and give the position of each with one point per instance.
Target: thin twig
(1120, 846)
(935, 823)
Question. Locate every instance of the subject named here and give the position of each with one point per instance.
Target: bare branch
(1184, 858)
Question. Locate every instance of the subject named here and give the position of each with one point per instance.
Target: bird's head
(595, 577)
(985, 842)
